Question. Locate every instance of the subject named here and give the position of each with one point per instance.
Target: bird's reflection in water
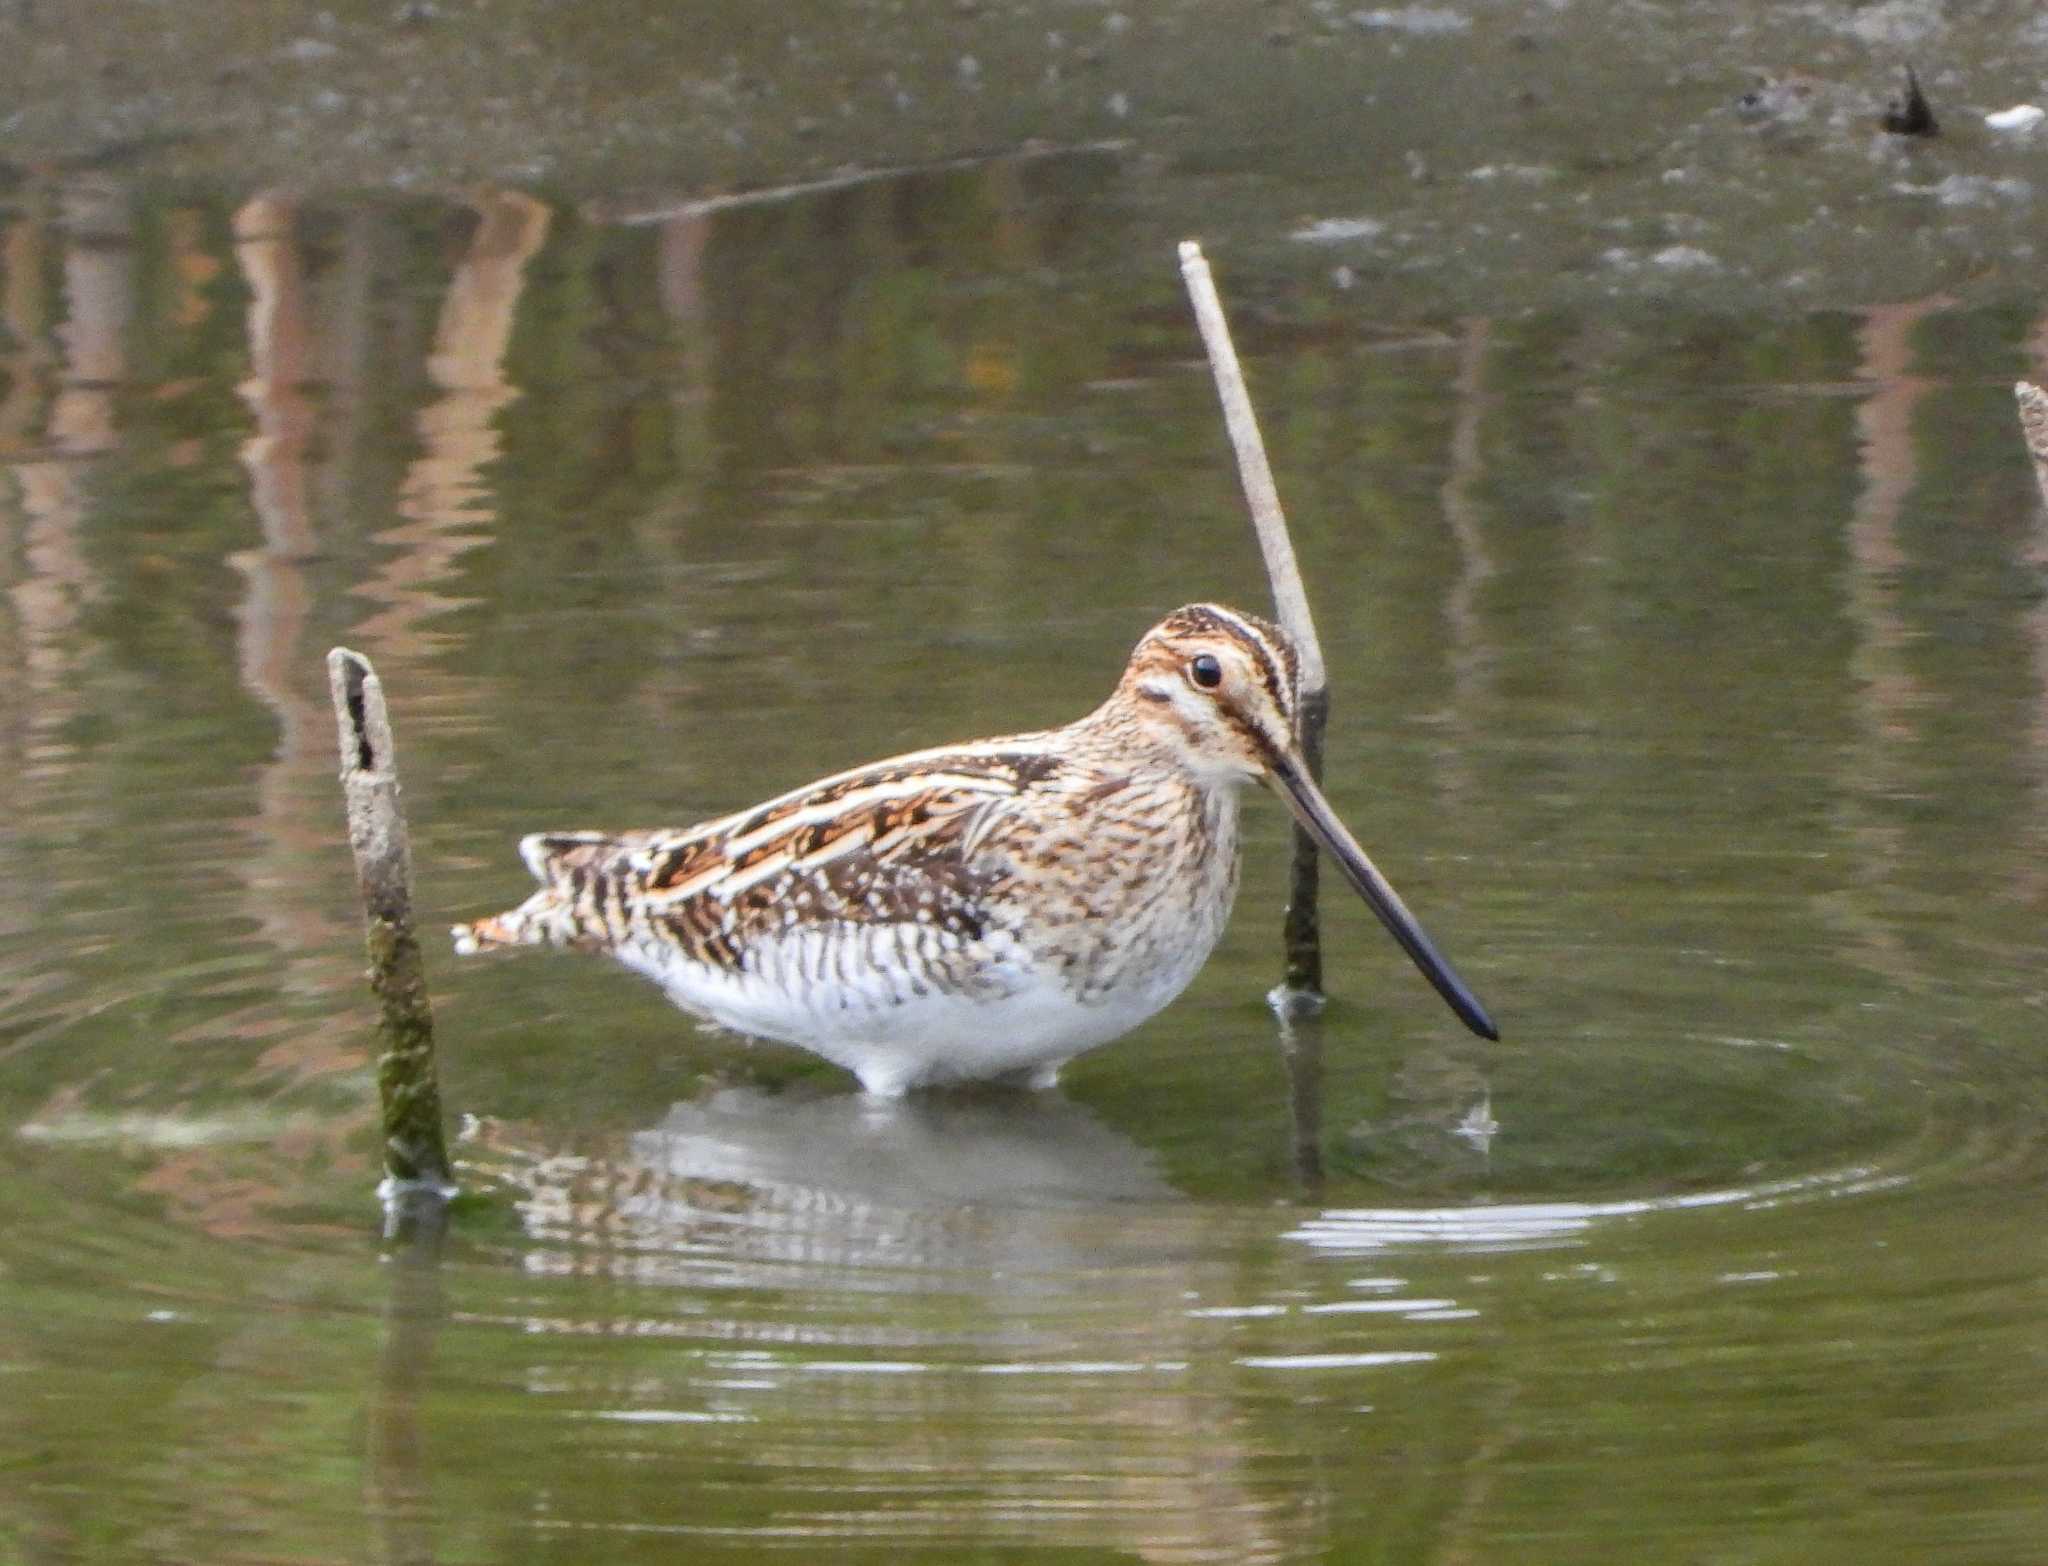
(982, 1313)
(931, 1151)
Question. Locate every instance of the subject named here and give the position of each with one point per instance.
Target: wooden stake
(1300, 991)
(415, 1154)
(2034, 425)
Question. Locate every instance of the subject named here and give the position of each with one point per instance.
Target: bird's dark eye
(1205, 671)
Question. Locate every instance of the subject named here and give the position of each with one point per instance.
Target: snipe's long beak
(1314, 813)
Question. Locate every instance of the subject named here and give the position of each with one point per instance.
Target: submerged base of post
(415, 1213)
(416, 1168)
(1296, 1003)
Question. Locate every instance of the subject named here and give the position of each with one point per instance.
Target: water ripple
(1521, 1226)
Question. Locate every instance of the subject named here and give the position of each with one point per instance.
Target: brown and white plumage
(977, 910)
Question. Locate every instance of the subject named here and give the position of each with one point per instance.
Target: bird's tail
(564, 912)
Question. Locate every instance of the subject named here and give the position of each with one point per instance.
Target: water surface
(1691, 680)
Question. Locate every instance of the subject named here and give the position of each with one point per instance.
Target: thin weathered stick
(2034, 425)
(415, 1154)
(1302, 987)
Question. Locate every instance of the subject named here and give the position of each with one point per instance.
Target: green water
(1690, 664)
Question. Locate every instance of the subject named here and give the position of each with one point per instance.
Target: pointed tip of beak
(1320, 822)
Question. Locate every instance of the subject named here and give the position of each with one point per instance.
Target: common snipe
(980, 910)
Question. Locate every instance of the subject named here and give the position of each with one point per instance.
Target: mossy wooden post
(415, 1154)
(1300, 992)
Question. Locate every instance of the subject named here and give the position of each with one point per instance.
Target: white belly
(860, 1002)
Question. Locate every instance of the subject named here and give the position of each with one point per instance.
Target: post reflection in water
(1889, 701)
(27, 371)
(2030, 871)
(74, 408)
(287, 838)
(444, 499)
(398, 1453)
